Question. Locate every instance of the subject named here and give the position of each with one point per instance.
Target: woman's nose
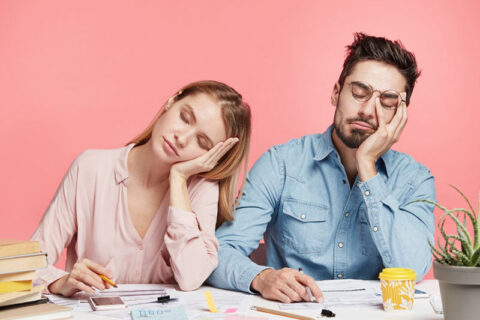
(183, 136)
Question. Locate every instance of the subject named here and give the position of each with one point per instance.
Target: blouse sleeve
(190, 236)
(58, 226)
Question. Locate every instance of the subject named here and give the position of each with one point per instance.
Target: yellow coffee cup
(398, 288)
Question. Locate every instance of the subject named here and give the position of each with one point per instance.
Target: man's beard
(355, 139)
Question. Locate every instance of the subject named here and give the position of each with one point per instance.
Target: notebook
(46, 311)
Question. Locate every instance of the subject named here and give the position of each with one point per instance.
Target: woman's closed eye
(203, 143)
(185, 117)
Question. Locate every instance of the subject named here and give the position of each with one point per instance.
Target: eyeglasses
(389, 99)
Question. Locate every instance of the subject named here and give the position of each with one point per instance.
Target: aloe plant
(458, 249)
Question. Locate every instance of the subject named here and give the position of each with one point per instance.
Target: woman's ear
(169, 103)
(172, 100)
(335, 93)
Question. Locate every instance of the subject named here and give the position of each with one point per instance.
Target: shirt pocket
(368, 246)
(305, 227)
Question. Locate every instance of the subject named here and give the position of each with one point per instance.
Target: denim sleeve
(401, 229)
(237, 239)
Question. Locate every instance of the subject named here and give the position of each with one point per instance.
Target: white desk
(422, 309)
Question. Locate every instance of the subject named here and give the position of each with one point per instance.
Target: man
(337, 204)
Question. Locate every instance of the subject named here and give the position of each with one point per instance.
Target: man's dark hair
(365, 47)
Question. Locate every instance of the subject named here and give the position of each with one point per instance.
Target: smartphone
(106, 303)
(419, 294)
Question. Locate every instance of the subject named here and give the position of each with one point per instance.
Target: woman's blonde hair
(236, 116)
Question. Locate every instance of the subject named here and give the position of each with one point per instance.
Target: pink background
(91, 74)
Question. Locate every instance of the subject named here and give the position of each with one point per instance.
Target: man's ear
(335, 94)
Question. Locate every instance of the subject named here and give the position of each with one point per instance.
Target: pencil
(281, 313)
(307, 288)
(110, 282)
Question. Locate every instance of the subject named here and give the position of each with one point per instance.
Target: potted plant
(457, 261)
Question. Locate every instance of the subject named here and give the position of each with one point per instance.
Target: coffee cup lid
(397, 274)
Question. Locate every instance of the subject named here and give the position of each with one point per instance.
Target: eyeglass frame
(351, 83)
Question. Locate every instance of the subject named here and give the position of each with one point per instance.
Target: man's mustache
(367, 121)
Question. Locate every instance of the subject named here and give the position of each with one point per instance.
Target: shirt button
(367, 193)
(347, 214)
(358, 184)
(340, 244)
(339, 275)
(375, 229)
(303, 216)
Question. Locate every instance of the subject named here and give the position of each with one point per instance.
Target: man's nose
(367, 109)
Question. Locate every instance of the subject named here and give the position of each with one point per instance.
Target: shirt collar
(325, 147)
(121, 168)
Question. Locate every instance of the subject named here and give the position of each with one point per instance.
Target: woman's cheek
(192, 154)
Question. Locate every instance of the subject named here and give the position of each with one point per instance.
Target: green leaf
(458, 249)
(445, 254)
(464, 197)
(447, 238)
(465, 240)
(476, 231)
(457, 222)
(436, 204)
(476, 257)
(461, 257)
(438, 255)
(467, 249)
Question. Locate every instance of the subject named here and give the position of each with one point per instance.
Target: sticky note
(177, 313)
(211, 303)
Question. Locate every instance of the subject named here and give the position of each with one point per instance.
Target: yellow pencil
(282, 313)
(110, 282)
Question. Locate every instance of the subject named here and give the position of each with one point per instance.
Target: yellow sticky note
(211, 303)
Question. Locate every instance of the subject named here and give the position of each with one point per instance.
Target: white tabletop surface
(422, 309)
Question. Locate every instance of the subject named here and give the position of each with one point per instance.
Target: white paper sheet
(343, 293)
(225, 301)
(143, 296)
(134, 295)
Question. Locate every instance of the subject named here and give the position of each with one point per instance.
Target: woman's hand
(180, 172)
(205, 162)
(83, 277)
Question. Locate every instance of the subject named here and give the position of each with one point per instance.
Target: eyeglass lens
(363, 92)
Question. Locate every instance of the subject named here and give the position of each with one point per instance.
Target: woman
(147, 212)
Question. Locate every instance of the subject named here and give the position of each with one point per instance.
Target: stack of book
(19, 298)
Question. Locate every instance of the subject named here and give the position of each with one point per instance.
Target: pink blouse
(89, 216)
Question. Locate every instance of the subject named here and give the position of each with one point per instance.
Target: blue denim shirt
(298, 198)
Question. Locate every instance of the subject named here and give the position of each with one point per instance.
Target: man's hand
(205, 162)
(286, 285)
(83, 277)
(381, 140)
